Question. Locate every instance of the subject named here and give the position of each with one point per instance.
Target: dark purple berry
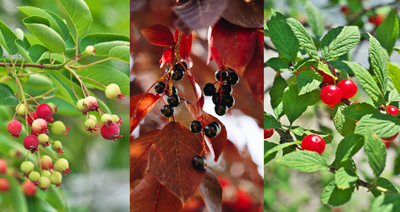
(167, 111)
(212, 129)
(229, 101)
(173, 100)
(232, 79)
(174, 91)
(227, 90)
(220, 109)
(219, 73)
(209, 89)
(159, 87)
(216, 98)
(196, 126)
(199, 162)
(178, 74)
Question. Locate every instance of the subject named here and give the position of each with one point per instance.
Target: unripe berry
(89, 50)
(56, 178)
(45, 112)
(117, 120)
(31, 143)
(32, 117)
(57, 147)
(313, 143)
(111, 132)
(3, 166)
(46, 173)
(91, 103)
(26, 167)
(268, 133)
(39, 126)
(81, 105)
(113, 91)
(61, 165)
(29, 188)
(19, 33)
(21, 110)
(4, 185)
(46, 162)
(331, 95)
(43, 140)
(44, 183)
(90, 125)
(106, 119)
(53, 106)
(34, 177)
(348, 88)
(14, 127)
(93, 118)
(58, 128)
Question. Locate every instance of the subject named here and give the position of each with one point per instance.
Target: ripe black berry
(229, 101)
(196, 126)
(232, 79)
(220, 109)
(177, 74)
(212, 129)
(199, 162)
(174, 91)
(227, 90)
(167, 111)
(173, 100)
(219, 73)
(159, 87)
(216, 98)
(209, 89)
(178, 66)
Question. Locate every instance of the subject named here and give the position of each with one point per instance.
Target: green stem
(94, 63)
(45, 66)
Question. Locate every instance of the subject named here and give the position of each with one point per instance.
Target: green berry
(44, 183)
(81, 105)
(21, 109)
(26, 167)
(93, 118)
(106, 119)
(58, 128)
(53, 106)
(61, 165)
(43, 138)
(19, 33)
(112, 91)
(34, 176)
(115, 118)
(55, 178)
(90, 50)
(46, 173)
(56, 145)
(90, 124)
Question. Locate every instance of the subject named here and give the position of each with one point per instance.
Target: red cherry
(4, 185)
(345, 10)
(243, 201)
(14, 127)
(376, 19)
(3, 166)
(45, 112)
(30, 119)
(31, 143)
(29, 188)
(393, 110)
(391, 138)
(111, 132)
(313, 143)
(331, 94)
(331, 106)
(386, 143)
(348, 88)
(268, 133)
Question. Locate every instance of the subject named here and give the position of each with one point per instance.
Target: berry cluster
(211, 130)
(222, 98)
(376, 19)
(332, 94)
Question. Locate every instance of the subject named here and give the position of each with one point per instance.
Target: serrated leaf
(273, 149)
(301, 133)
(278, 64)
(383, 183)
(386, 203)
(305, 161)
(276, 94)
(388, 31)
(120, 53)
(304, 38)
(293, 104)
(308, 62)
(348, 147)
(334, 196)
(315, 96)
(339, 41)
(267, 147)
(7, 97)
(345, 178)
(376, 152)
(384, 125)
(378, 62)
(344, 125)
(315, 19)
(7, 39)
(393, 96)
(270, 122)
(308, 80)
(394, 73)
(325, 68)
(358, 110)
(80, 15)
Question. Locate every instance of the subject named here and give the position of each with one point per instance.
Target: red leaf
(186, 44)
(213, 52)
(171, 160)
(254, 71)
(151, 196)
(245, 13)
(159, 35)
(235, 44)
(146, 104)
(139, 149)
(167, 56)
(211, 191)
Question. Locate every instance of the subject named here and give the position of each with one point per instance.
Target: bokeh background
(290, 190)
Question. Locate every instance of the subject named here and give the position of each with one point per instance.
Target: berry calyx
(348, 88)
(220, 109)
(4, 185)
(199, 162)
(31, 143)
(113, 91)
(62, 165)
(159, 87)
(221, 75)
(91, 103)
(32, 117)
(3, 166)
(106, 119)
(173, 100)
(46, 162)
(233, 79)
(43, 140)
(313, 143)
(58, 128)
(212, 129)
(14, 127)
(26, 167)
(268, 133)
(90, 125)
(56, 178)
(209, 89)
(45, 112)
(196, 126)
(39, 126)
(167, 111)
(21, 110)
(111, 132)
(116, 119)
(89, 50)
(28, 188)
(331, 94)
(57, 147)
(44, 183)
(34, 177)
(392, 110)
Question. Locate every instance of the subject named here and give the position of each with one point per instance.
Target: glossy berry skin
(392, 110)
(45, 112)
(56, 178)
(219, 73)
(209, 89)
(46, 162)
(39, 126)
(228, 101)
(348, 88)
(167, 111)
(196, 126)
(177, 74)
(159, 87)
(21, 109)
(216, 98)
(233, 79)
(220, 109)
(89, 50)
(91, 103)
(58, 128)
(313, 143)
(3, 166)
(4, 185)
(14, 127)
(268, 133)
(173, 100)
(331, 95)
(34, 176)
(81, 106)
(386, 143)
(28, 188)
(33, 118)
(212, 129)
(227, 90)
(174, 91)
(110, 132)
(113, 91)
(376, 19)
(57, 147)
(31, 143)
(199, 162)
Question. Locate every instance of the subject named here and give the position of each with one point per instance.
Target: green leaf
(282, 36)
(301, 133)
(394, 73)
(315, 19)
(344, 125)
(64, 86)
(386, 203)
(293, 104)
(384, 183)
(68, 37)
(270, 122)
(273, 150)
(378, 62)
(304, 37)
(341, 66)
(120, 53)
(305, 161)
(345, 177)
(315, 96)
(376, 152)
(7, 97)
(33, 54)
(393, 96)
(7, 39)
(308, 62)
(367, 82)
(388, 31)
(278, 64)
(80, 15)
(308, 80)
(103, 42)
(384, 125)
(55, 199)
(334, 196)
(276, 94)
(358, 110)
(325, 68)
(18, 200)
(40, 27)
(268, 146)
(339, 41)
(396, 170)
(348, 147)
(105, 75)
(397, 48)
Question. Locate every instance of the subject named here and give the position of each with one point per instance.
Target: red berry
(345, 10)
(348, 88)
(386, 143)
(29, 188)
(313, 143)
(392, 110)
(4, 185)
(331, 106)
(268, 133)
(32, 117)
(14, 127)
(376, 19)
(3, 166)
(31, 143)
(39, 126)
(45, 112)
(331, 95)
(111, 132)
(391, 138)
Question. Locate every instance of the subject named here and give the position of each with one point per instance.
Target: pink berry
(111, 132)
(331, 95)
(348, 88)
(45, 112)
(14, 127)
(91, 103)
(4, 185)
(29, 188)
(3, 166)
(40, 126)
(32, 117)
(31, 143)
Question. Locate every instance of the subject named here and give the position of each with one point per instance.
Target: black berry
(232, 79)
(196, 126)
(209, 89)
(216, 98)
(199, 162)
(220, 109)
(212, 129)
(219, 73)
(229, 101)
(159, 87)
(167, 111)
(173, 100)
(177, 74)
(178, 66)
(227, 90)
(174, 91)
